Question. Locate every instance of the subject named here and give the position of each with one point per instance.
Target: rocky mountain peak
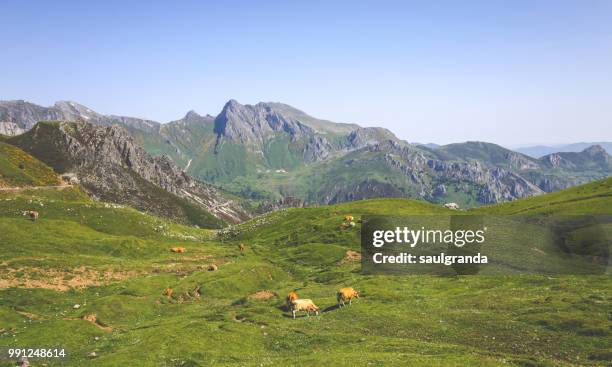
(595, 150)
(191, 114)
(251, 124)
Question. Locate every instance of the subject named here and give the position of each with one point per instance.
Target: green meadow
(115, 263)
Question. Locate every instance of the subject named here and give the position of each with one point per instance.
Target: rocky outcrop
(250, 125)
(25, 115)
(594, 157)
(111, 166)
(10, 128)
(494, 184)
(317, 149)
(366, 189)
(363, 137)
(282, 203)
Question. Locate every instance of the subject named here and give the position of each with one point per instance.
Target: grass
(591, 198)
(17, 168)
(211, 320)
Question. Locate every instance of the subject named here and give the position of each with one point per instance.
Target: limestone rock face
(113, 167)
(250, 125)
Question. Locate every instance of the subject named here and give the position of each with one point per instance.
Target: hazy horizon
(525, 73)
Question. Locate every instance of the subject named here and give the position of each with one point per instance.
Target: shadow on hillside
(289, 315)
(298, 316)
(330, 308)
(283, 308)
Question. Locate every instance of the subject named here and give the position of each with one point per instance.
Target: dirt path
(188, 164)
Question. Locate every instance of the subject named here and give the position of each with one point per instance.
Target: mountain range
(110, 166)
(271, 151)
(538, 151)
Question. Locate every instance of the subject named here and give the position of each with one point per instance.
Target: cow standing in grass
(241, 247)
(32, 214)
(346, 294)
(305, 305)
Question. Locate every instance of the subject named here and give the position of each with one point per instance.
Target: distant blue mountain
(428, 145)
(538, 151)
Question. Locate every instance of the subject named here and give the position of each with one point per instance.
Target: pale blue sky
(510, 72)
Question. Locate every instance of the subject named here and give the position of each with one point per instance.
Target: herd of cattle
(294, 303)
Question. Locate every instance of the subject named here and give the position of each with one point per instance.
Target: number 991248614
(17, 353)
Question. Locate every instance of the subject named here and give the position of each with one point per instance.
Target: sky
(509, 72)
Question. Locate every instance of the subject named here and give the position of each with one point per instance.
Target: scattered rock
(76, 306)
(439, 190)
(94, 320)
(262, 295)
(350, 256)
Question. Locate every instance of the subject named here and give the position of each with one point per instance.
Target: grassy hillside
(115, 263)
(591, 198)
(18, 168)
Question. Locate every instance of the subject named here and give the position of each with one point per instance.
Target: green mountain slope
(487, 153)
(113, 167)
(18, 169)
(115, 263)
(593, 198)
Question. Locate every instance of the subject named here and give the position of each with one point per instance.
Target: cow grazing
(32, 214)
(178, 250)
(168, 292)
(305, 305)
(348, 218)
(346, 294)
(292, 296)
(241, 247)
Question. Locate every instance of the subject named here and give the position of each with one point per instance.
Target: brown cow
(305, 305)
(32, 214)
(241, 247)
(178, 250)
(346, 294)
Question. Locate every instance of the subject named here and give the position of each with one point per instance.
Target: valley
(115, 264)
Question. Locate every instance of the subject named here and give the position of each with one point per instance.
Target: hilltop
(19, 169)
